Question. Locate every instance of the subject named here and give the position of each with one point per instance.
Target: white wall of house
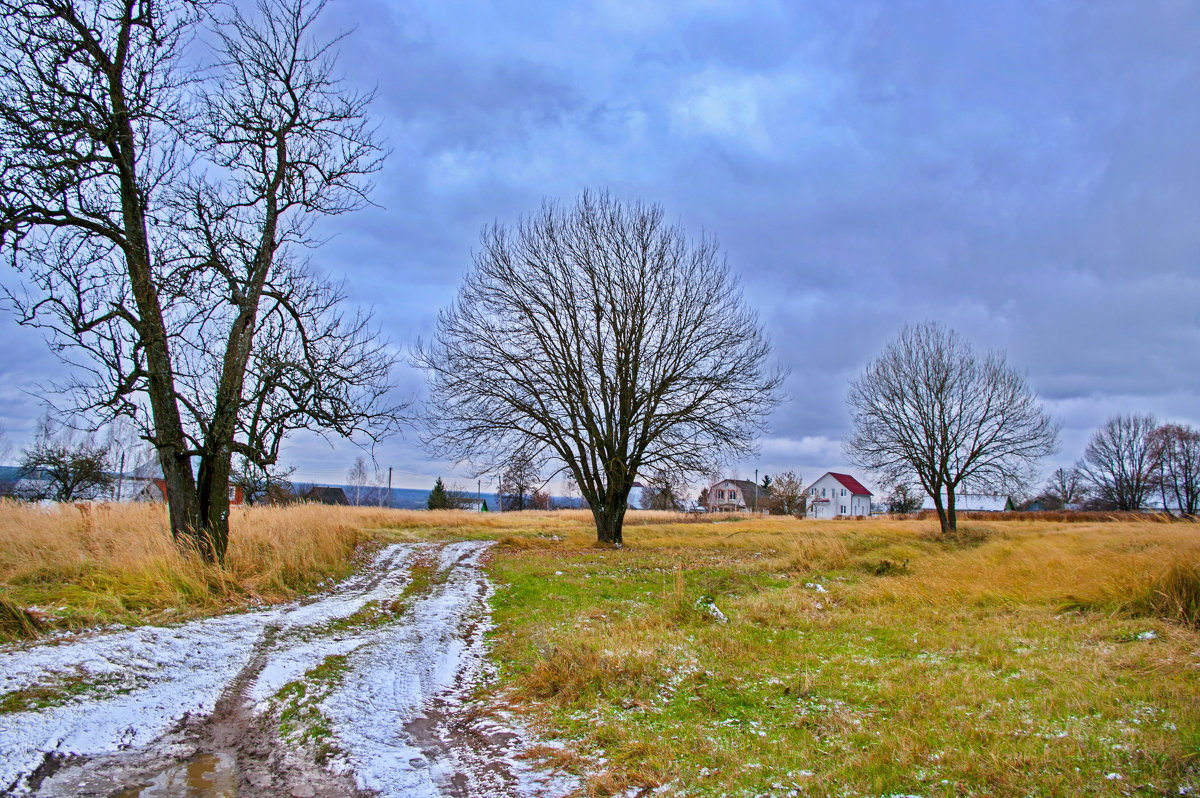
(829, 498)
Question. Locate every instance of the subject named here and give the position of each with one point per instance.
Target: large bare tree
(599, 336)
(1120, 461)
(158, 221)
(931, 410)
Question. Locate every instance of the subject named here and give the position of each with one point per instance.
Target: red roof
(850, 483)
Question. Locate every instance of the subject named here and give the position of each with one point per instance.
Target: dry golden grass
(86, 564)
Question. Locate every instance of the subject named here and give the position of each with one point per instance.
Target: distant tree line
(1131, 461)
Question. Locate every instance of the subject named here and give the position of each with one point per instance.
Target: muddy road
(365, 690)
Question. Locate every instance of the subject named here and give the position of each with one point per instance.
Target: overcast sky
(1026, 172)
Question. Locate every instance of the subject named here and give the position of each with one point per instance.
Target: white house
(736, 496)
(837, 494)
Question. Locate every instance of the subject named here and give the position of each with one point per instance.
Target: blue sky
(1025, 172)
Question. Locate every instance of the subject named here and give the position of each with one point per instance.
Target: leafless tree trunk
(930, 410)
(1120, 462)
(520, 481)
(358, 478)
(602, 338)
(156, 243)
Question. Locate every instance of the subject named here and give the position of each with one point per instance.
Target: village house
(736, 496)
(837, 494)
(147, 484)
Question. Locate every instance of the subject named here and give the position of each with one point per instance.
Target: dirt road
(365, 690)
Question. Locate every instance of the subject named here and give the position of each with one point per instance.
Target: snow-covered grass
(859, 657)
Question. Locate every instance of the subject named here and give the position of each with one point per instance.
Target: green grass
(895, 680)
(61, 690)
(300, 719)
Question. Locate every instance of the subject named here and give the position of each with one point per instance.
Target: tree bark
(609, 522)
(943, 522)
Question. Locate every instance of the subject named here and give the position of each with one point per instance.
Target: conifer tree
(438, 498)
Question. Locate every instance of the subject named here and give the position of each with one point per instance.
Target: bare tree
(788, 494)
(519, 483)
(1064, 487)
(903, 499)
(600, 337)
(158, 245)
(930, 410)
(664, 490)
(1177, 453)
(358, 478)
(1119, 463)
(63, 465)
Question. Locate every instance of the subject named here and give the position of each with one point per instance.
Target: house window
(843, 509)
(822, 491)
(720, 494)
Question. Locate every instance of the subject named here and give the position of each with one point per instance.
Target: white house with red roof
(838, 494)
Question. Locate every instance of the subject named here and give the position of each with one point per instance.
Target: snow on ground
(436, 658)
(168, 672)
(372, 705)
(399, 676)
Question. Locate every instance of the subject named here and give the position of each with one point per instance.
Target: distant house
(837, 494)
(976, 503)
(147, 484)
(472, 504)
(736, 496)
(322, 494)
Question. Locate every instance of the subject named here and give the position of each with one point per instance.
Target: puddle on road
(203, 776)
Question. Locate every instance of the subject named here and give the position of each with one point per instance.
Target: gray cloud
(1025, 173)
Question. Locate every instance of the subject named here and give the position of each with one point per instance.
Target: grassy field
(744, 657)
(860, 658)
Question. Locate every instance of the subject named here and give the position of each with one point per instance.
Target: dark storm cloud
(1024, 172)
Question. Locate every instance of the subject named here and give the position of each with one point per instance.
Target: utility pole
(389, 496)
(756, 491)
(121, 477)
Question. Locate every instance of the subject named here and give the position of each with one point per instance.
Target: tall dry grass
(72, 566)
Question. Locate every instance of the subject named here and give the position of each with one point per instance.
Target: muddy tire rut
(366, 690)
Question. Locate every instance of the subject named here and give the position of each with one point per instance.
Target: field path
(365, 690)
